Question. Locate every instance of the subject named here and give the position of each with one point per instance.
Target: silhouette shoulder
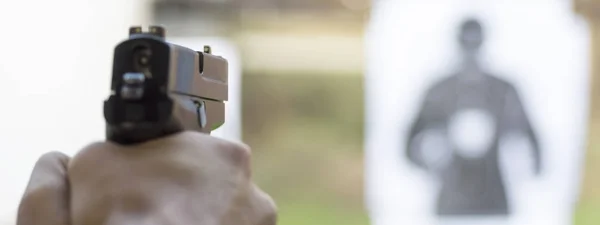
(501, 84)
(441, 87)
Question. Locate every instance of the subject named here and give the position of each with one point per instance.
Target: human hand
(187, 178)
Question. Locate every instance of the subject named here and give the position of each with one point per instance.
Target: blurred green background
(307, 141)
(303, 99)
(589, 201)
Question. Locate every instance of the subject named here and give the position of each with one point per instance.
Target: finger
(216, 155)
(266, 207)
(46, 198)
(251, 207)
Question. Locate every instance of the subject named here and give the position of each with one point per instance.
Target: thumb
(46, 199)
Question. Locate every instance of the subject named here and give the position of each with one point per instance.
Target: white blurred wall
(55, 64)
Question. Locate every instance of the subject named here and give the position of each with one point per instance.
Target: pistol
(160, 88)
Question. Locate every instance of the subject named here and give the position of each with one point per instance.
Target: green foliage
(302, 213)
(306, 133)
(587, 214)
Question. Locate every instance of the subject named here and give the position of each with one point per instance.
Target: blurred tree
(303, 122)
(307, 143)
(230, 17)
(197, 17)
(278, 4)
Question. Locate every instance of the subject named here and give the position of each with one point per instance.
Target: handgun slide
(159, 88)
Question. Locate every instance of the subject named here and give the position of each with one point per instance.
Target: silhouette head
(471, 35)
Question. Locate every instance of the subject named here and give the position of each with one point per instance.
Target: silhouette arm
(412, 151)
(519, 121)
(428, 116)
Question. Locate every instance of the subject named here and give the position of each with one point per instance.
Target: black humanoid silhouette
(471, 186)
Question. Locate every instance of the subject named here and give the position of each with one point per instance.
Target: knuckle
(266, 207)
(52, 157)
(242, 151)
(270, 219)
(90, 160)
(236, 153)
(91, 152)
(269, 216)
(49, 167)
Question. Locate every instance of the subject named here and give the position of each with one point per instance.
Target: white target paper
(458, 134)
